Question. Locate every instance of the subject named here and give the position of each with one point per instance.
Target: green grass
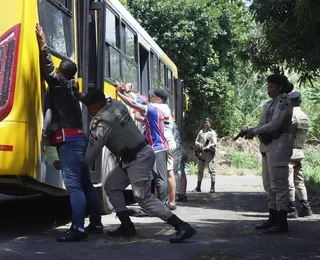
(191, 168)
(311, 168)
(243, 160)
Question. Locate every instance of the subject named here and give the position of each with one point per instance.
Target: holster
(265, 138)
(128, 155)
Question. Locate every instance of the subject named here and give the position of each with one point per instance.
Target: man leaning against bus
(71, 143)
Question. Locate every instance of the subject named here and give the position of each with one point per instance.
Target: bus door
(93, 63)
(179, 104)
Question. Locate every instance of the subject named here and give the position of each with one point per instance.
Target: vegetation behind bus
(204, 38)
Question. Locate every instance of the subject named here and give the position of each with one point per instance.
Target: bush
(243, 160)
(191, 168)
(311, 167)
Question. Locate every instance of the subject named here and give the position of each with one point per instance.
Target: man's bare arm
(139, 117)
(132, 103)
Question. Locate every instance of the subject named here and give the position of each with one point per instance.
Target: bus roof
(143, 37)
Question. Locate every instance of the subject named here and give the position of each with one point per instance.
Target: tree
(289, 36)
(204, 39)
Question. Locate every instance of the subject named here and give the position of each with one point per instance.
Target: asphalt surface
(224, 222)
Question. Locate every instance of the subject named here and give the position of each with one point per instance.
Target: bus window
(154, 71)
(169, 80)
(162, 74)
(112, 23)
(129, 42)
(115, 74)
(130, 73)
(57, 23)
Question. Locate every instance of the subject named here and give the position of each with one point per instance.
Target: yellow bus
(108, 45)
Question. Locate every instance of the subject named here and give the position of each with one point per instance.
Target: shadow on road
(234, 201)
(33, 214)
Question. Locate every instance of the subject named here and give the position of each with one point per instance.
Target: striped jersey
(154, 129)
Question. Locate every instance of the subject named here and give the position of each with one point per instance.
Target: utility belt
(128, 155)
(267, 138)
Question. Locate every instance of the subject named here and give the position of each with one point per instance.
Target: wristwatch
(44, 48)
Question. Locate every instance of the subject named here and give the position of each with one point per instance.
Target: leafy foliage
(204, 38)
(288, 33)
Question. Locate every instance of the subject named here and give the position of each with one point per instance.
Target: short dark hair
(68, 68)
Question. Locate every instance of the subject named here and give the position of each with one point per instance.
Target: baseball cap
(93, 96)
(159, 92)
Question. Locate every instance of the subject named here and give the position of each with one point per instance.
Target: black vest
(66, 111)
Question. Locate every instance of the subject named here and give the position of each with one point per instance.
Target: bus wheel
(109, 164)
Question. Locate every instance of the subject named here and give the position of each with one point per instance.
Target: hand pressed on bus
(40, 36)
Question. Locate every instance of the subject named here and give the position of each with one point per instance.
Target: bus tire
(109, 163)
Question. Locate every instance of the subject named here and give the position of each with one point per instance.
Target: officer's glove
(250, 133)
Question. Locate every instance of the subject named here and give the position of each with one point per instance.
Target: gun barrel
(242, 133)
(237, 137)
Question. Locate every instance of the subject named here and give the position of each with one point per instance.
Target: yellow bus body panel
(22, 127)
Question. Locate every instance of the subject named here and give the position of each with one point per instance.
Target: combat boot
(212, 190)
(184, 230)
(282, 223)
(292, 212)
(271, 221)
(198, 188)
(126, 228)
(306, 209)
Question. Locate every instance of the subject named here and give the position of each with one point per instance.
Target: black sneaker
(182, 198)
(305, 212)
(93, 229)
(73, 235)
(128, 231)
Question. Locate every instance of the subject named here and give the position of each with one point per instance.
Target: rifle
(198, 152)
(242, 133)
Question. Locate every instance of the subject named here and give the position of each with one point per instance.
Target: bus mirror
(185, 102)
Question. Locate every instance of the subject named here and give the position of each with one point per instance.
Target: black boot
(306, 209)
(184, 230)
(126, 228)
(282, 223)
(198, 188)
(271, 221)
(292, 213)
(182, 198)
(212, 190)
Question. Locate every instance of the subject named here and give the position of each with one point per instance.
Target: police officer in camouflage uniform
(113, 127)
(274, 132)
(206, 143)
(300, 126)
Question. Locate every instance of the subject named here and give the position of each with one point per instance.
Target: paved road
(224, 221)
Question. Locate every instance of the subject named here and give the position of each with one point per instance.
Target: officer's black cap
(93, 96)
(295, 97)
(161, 93)
(208, 119)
